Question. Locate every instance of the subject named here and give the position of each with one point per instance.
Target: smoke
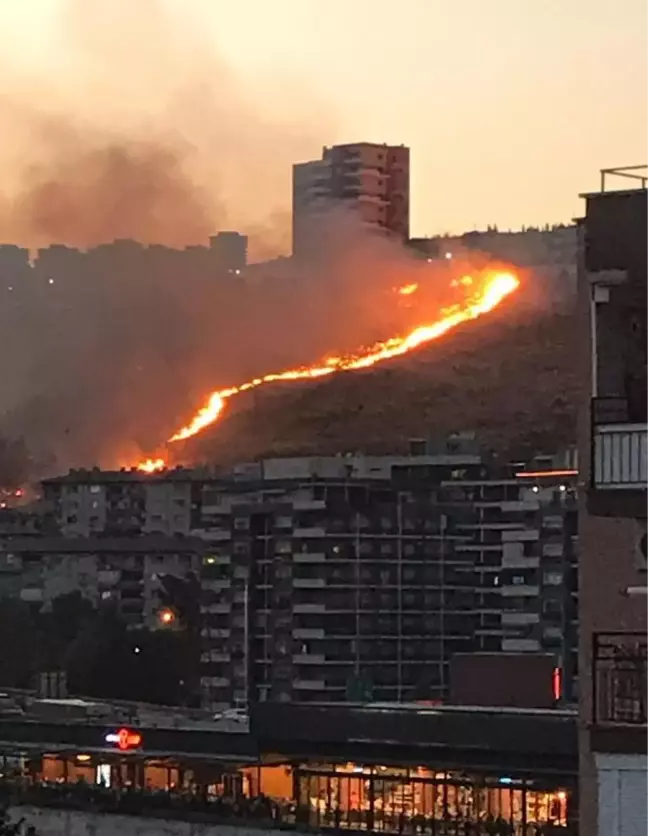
(134, 127)
(103, 354)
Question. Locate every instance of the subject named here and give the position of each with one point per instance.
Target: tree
(109, 661)
(69, 614)
(18, 644)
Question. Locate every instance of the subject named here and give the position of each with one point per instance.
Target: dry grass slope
(512, 377)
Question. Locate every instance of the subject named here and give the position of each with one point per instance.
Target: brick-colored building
(612, 292)
(366, 179)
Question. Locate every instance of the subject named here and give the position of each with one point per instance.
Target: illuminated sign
(556, 684)
(124, 739)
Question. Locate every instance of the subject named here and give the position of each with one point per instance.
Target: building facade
(123, 503)
(367, 180)
(230, 250)
(355, 577)
(613, 448)
(521, 529)
(125, 573)
(329, 583)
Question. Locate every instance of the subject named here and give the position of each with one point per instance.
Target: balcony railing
(619, 446)
(619, 679)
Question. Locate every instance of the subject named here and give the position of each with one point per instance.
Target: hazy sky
(510, 107)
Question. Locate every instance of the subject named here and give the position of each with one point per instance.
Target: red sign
(125, 739)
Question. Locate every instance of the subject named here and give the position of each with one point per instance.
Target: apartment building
(613, 450)
(357, 577)
(123, 572)
(350, 577)
(123, 503)
(521, 529)
(230, 250)
(368, 180)
(327, 583)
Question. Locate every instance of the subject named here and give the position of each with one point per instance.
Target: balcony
(619, 456)
(309, 532)
(619, 680)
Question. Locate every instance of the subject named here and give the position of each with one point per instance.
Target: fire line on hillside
(495, 288)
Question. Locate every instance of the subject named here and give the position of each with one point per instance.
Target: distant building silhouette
(367, 179)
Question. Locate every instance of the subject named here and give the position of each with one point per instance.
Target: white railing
(620, 456)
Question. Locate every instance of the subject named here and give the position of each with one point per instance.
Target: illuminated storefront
(378, 799)
(392, 800)
(422, 772)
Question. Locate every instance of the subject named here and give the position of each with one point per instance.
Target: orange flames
(151, 465)
(408, 289)
(495, 289)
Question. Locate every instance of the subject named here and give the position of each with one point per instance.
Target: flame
(408, 289)
(151, 465)
(496, 288)
(464, 281)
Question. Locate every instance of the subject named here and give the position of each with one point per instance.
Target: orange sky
(510, 107)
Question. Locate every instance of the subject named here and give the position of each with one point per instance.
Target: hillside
(511, 377)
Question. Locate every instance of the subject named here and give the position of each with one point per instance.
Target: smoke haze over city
(138, 129)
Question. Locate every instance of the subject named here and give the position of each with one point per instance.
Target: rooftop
(638, 174)
(95, 476)
(532, 739)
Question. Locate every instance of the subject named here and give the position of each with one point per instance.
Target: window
(386, 548)
(552, 607)
(553, 578)
(95, 488)
(241, 523)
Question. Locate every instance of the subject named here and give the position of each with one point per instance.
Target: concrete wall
(622, 795)
(74, 823)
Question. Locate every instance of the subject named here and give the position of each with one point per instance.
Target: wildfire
(151, 465)
(408, 289)
(495, 290)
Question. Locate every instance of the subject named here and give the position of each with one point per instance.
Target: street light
(166, 617)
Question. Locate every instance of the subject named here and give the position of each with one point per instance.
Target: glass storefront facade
(391, 800)
(324, 796)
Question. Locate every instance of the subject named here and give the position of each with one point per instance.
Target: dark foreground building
(613, 454)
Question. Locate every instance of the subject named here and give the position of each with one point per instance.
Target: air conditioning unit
(640, 544)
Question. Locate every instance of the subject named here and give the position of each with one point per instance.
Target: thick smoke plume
(129, 125)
